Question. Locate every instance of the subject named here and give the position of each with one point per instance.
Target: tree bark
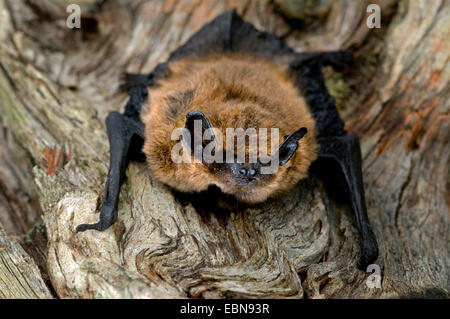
(57, 85)
(19, 275)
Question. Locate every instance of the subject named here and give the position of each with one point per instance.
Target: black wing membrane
(339, 161)
(229, 33)
(126, 138)
(339, 167)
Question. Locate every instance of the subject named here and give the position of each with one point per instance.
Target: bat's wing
(126, 137)
(229, 33)
(339, 167)
(339, 160)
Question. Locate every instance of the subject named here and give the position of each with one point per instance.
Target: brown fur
(233, 91)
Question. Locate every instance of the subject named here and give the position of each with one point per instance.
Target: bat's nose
(251, 172)
(248, 172)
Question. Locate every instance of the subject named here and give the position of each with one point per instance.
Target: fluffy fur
(233, 91)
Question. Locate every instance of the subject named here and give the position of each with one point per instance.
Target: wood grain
(57, 85)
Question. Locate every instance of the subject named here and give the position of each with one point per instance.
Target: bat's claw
(97, 226)
(84, 227)
(107, 218)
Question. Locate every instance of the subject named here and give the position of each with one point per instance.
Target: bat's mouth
(244, 181)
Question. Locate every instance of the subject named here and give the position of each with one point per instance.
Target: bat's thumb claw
(84, 227)
(97, 226)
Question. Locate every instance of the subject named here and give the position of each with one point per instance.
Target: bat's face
(250, 174)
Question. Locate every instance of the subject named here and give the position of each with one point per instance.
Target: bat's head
(257, 165)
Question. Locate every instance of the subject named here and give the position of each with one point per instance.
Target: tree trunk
(57, 85)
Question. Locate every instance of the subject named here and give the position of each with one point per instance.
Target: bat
(231, 75)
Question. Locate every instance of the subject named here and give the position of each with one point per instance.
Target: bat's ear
(197, 133)
(290, 145)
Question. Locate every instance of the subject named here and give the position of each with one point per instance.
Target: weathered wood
(19, 275)
(57, 85)
(403, 117)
